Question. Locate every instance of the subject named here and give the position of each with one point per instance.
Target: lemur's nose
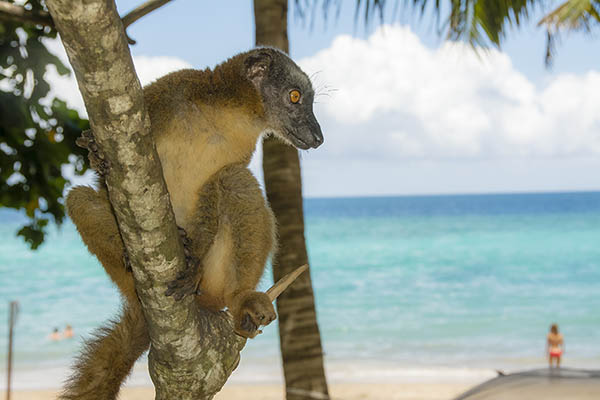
(317, 136)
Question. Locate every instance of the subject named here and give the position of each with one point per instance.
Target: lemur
(205, 125)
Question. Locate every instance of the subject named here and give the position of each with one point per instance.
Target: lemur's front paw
(187, 283)
(126, 261)
(187, 247)
(95, 156)
(255, 310)
(188, 280)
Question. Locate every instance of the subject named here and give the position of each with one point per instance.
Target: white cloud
(148, 69)
(403, 118)
(396, 98)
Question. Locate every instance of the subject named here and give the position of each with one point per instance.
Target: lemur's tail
(107, 359)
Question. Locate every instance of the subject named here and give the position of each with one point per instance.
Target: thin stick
(284, 282)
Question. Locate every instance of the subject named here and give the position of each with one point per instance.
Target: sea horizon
(459, 194)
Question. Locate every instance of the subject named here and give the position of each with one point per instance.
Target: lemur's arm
(231, 203)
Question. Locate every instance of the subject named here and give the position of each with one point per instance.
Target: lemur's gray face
(287, 96)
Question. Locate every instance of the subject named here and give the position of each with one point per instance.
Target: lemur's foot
(95, 156)
(188, 280)
(255, 310)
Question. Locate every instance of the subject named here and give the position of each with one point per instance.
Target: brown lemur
(205, 125)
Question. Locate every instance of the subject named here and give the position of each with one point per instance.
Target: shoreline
(268, 372)
(338, 391)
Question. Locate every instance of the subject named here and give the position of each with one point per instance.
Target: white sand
(345, 391)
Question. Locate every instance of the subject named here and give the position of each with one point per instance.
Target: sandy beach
(345, 391)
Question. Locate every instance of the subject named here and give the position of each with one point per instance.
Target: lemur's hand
(255, 310)
(95, 156)
(188, 280)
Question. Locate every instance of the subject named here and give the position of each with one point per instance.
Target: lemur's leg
(197, 241)
(92, 214)
(253, 232)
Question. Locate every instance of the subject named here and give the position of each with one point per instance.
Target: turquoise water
(470, 281)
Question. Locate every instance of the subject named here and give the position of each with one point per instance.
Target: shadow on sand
(539, 384)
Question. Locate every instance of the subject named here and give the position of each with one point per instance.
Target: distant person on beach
(555, 345)
(55, 335)
(68, 333)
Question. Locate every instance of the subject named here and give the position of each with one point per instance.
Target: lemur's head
(287, 96)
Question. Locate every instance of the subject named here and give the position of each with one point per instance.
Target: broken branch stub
(284, 282)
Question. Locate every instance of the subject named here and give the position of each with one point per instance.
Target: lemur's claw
(186, 283)
(95, 156)
(247, 323)
(184, 237)
(182, 287)
(85, 139)
(126, 261)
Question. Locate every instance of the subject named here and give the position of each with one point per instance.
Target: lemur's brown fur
(205, 125)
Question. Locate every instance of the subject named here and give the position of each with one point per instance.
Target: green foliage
(35, 139)
(574, 14)
(570, 15)
(478, 22)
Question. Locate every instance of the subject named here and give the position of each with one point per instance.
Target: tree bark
(300, 340)
(193, 351)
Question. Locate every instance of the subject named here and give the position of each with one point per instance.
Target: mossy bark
(193, 351)
(300, 340)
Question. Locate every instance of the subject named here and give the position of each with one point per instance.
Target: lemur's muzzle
(309, 135)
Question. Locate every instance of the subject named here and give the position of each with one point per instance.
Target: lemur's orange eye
(294, 96)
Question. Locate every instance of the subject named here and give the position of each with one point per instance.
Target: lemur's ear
(257, 66)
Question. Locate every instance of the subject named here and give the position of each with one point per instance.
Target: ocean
(414, 287)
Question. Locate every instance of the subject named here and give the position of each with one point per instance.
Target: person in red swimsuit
(555, 345)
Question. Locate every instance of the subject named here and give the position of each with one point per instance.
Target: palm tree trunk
(300, 340)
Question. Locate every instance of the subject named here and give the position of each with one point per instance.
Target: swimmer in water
(68, 333)
(55, 335)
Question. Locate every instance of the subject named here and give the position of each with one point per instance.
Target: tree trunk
(193, 351)
(298, 330)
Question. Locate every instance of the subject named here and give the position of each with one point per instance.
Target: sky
(402, 111)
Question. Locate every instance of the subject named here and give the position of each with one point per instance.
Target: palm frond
(570, 15)
(573, 15)
(479, 22)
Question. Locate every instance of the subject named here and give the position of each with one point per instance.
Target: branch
(17, 13)
(142, 10)
(13, 12)
(193, 351)
(139, 12)
(282, 284)
(274, 291)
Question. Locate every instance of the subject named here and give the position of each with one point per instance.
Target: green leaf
(40, 139)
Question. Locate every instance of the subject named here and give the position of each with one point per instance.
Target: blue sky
(403, 112)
